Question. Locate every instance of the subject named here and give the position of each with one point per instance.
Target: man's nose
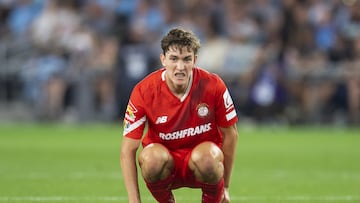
(180, 65)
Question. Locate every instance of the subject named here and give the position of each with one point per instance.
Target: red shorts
(183, 176)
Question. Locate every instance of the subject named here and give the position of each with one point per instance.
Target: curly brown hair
(179, 38)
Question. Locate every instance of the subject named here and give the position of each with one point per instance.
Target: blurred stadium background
(287, 62)
(67, 68)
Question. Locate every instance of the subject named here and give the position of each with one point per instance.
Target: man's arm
(129, 147)
(230, 135)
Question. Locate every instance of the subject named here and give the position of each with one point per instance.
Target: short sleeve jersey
(179, 123)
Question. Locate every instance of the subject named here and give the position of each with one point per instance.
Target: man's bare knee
(207, 162)
(155, 162)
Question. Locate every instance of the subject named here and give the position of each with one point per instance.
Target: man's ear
(195, 59)
(162, 59)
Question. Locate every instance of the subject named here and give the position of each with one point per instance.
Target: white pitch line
(72, 176)
(302, 198)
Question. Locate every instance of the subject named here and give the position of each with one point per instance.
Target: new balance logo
(161, 119)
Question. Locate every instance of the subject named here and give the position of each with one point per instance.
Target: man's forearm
(229, 150)
(228, 165)
(129, 170)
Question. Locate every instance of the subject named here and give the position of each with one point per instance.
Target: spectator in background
(91, 75)
(44, 84)
(86, 75)
(268, 95)
(45, 79)
(351, 31)
(93, 51)
(242, 53)
(55, 25)
(322, 19)
(22, 16)
(307, 66)
(147, 18)
(43, 29)
(215, 46)
(352, 74)
(134, 61)
(100, 16)
(126, 8)
(351, 27)
(5, 9)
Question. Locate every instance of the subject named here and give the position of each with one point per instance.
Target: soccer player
(191, 127)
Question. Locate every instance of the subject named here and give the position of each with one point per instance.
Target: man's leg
(206, 162)
(157, 166)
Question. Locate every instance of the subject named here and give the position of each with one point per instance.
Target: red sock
(161, 190)
(212, 193)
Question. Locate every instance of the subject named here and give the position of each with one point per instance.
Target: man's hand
(226, 196)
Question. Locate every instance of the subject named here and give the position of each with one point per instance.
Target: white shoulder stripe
(134, 126)
(231, 115)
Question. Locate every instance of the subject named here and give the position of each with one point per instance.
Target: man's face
(179, 64)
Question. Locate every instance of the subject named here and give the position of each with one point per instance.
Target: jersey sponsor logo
(202, 110)
(228, 102)
(188, 132)
(130, 112)
(161, 119)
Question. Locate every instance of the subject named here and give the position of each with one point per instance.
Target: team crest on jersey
(202, 110)
(130, 112)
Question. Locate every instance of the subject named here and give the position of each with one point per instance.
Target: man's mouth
(180, 75)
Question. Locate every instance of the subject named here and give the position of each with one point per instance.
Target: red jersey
(179, 123)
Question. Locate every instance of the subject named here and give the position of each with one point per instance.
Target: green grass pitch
(80, 163)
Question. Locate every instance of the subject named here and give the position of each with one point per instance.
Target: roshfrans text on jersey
(186, 132)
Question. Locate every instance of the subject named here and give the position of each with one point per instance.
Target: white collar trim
(187, 89)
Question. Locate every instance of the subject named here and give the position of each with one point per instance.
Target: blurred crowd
(293, 61)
